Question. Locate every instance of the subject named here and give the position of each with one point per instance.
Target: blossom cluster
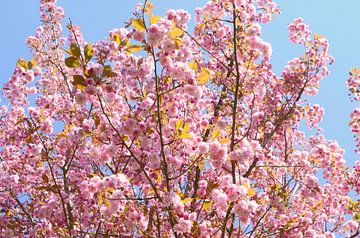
(159, 130)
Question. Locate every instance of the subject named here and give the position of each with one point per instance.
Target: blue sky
(337, 22)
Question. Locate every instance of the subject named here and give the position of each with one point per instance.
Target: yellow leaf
(185, 132)
(149, 7)
(215, 134)
(251, 192)
(201, 164)
(41, 112)
(225, 141)
(96, 119)
(193, 65)
(88, 52)
(245, 46)
(79, 82)
(72, 62)
(138, 24)
(109, 190)
(355, 71)
(95, 140)
(207, 205)
(181, 195)
(31, 63)
(74, 50)
(186, 200)
(22, 63)
(125, 42)
(203, 77)
(92, 175)
(176, 32)
(138, 142)
(178, 43)
(179, 124)
(168, 79)
(25, 64)
(117, 39)
(273, 174)
(154, 19)
(100, 199)
(159, 178)
(133, 48)
(64, 132)
(200, 26)
(250, 65)
(318, 37)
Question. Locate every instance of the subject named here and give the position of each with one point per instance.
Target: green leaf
(79, 82)
(88, 52)
(108, 72)
(74, 50)
(72, 62)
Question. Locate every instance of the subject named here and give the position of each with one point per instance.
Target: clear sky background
(338, 22)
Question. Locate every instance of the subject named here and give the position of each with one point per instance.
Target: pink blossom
(138, 35)
(148, 145)
(183, 226)
(193, 90)
(80, 98)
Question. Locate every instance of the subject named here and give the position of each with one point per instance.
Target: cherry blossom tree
(164, 131)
